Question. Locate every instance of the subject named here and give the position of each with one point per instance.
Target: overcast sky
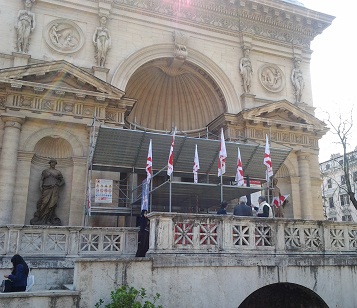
(334, 69)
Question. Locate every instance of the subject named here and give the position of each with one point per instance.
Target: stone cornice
(270, 18)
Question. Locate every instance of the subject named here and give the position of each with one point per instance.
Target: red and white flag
(149, 164)
(170, 162)
(239, 175)
(267, 160)
(222, 156)
(278, 201)
(196, 166)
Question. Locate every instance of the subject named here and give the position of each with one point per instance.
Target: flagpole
(170, 193)
(221, 188)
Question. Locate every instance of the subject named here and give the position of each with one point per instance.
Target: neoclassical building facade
(240, 65)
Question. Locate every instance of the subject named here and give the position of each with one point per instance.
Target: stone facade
(150, 64)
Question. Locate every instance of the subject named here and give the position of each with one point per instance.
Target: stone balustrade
(67, 241)
(192, 233)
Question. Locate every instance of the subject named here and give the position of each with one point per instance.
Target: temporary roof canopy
(124, 150)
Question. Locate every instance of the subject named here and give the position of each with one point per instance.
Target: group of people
(243, 209)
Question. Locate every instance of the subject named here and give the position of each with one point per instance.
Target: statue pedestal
(20, 59)
(100, 72)
(247, 101)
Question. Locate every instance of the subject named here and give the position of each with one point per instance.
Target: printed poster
(103, 191)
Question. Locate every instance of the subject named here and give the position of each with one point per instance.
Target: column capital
(12, 120)
(301, 155)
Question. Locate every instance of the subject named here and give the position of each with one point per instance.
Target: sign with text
(103, 191)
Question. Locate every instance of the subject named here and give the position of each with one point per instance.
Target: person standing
(143, 243)
(222, 210)
(264, 209)
(17, 280)
(242, 209)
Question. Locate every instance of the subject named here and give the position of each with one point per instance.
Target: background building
(336, 201)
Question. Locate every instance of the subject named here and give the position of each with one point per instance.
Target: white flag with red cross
(278, 201)
(170, 162)
(149, 164)
(196, 166)
(267, 160)
(239, 175)
(222, 156)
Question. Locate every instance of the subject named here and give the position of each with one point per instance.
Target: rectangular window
(329, 183)
(330, 202)
(344, 200)
(343, 180)
(354, 176)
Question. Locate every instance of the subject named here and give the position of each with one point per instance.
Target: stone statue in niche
(102, 41)
(50, 183)
(297, 80)
(246, 70)
(25, 24)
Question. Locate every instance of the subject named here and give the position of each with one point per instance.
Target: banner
(145, 195)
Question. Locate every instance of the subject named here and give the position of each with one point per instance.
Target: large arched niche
(50, 146)
(282, 295)
(188, 97)
(57, 135)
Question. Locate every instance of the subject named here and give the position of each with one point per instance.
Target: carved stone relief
(64, 36)
(271, 77)
(2, 101)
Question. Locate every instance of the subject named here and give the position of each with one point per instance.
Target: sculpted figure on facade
(246, 70)
(25, 24)
(50, 183)
(102, 41)
(297, 80)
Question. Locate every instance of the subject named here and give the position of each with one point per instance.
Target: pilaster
(8, 164)
(78, 191)
(21, 187)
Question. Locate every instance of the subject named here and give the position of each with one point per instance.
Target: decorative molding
(64, 36)
(296, 26)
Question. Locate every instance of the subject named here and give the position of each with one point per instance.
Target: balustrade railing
(67, 241)
(185, 233)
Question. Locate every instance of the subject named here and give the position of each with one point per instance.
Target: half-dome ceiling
(169, 95)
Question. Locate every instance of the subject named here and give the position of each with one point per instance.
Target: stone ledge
(45, 293)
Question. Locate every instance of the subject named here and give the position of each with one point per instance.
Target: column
(305, 185)
(8, 165)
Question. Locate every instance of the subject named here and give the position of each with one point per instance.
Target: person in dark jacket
(222, 210)
(143, 244)
(242, 209)
(17, 280)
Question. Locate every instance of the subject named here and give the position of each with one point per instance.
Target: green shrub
(129, 297)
